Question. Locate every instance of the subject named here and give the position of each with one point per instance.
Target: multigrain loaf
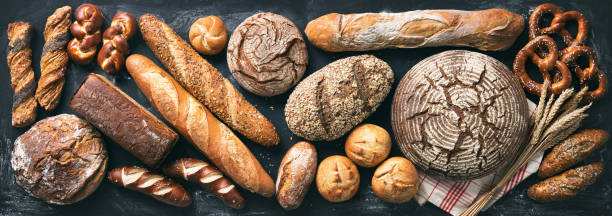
(333, 100)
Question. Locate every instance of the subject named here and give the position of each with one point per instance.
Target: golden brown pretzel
(545, 65)
(86, 32)
(112, 54)
(557, 25)
(587, 74)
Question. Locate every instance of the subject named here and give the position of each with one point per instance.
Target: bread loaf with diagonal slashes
(146, 182)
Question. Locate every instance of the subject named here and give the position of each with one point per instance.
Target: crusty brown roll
(60, 159)
(199, 126)
(267, 54)
(123, 120)
(54, 60)
(493, 29)
(331, 101)
(565, 185)
(208, 35)
(146, 182)
(203, 80)
(208, 177)
(571, 151)
(368, 145)
(115, 47)
(396, 180)
(19, 59)
(295, 174)
(87, 33)
(337, 178)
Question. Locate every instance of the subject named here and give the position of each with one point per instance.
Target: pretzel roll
(115, 47)
(86, 30)
(151, 184)
(208, 35)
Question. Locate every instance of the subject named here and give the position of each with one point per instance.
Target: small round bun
(337, 178)
(208, 35)
(396, 180)
(368, 145)
(61, 159)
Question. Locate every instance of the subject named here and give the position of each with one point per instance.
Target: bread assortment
(198, 125)
(460, 115)
(295, 174)
(203, 80)
(19, 60)
(123, 120)
(331, 101)
(457, 115)
(267, 54)
(208, 35)
(60, 159)
(368, 145)
(488, 30)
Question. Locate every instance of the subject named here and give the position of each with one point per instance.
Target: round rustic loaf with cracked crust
(330, 102)
(460, 115)
(61, 159)
(267, 54)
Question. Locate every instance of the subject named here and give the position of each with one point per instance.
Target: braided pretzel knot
(587, 74)
(112, 54)
(557, 25)
(86, 32)
(545, 65)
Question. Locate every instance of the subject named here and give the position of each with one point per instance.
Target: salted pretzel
(545, 66)
(557, 25)
(115, 46)
(86, 32)
(587, 74)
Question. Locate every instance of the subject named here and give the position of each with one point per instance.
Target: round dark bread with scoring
(61, 159)
(334, 99)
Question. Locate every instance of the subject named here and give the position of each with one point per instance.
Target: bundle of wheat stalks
(552, 121)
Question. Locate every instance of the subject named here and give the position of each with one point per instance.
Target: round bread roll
(208, 35)
(337, 178)
(368, 145)
(395, 180)
(267, 54)
(459, 115)
(60, 160)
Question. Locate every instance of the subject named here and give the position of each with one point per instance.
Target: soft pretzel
(86, 32)
(545, 65)
(115, 47)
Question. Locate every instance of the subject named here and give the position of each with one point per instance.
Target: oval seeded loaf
(333, 100)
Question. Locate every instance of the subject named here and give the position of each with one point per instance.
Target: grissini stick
(146, 182)
(198, 125)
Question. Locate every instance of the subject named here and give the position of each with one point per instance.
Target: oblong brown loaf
(567, 184)
(459, 114)
(61, 159)
(19, 60)
(295, 174)
(333, 100)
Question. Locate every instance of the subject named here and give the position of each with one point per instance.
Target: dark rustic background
(111, 200)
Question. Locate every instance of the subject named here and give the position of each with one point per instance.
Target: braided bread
(54, 61)
(115, 47)
(19, 58)
(86, 32)
(156, 186)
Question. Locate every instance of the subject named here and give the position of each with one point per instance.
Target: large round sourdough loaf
(459, 114)
(333, 100)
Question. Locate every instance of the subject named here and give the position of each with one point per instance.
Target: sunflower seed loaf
(333, 100)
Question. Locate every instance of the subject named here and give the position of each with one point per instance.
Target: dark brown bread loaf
(146, 182)
(333, 100)
(61, 159)
(267, 54)
(19, 59)
(54, 61)
(204, 82)
(565, 185)
(123, 120)
(571, 151)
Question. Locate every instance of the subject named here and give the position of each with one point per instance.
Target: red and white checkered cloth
(455, 197)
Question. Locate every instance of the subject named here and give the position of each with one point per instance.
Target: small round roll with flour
(295, 174)
(208, 35)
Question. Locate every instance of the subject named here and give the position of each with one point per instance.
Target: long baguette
(493, 29)
(203, 80)
(199, 126)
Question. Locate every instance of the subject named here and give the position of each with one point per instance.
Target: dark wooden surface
(111, 200)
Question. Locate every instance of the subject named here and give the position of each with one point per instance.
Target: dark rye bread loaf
(333, 100)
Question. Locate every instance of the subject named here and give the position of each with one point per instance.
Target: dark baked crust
(565, 185)
(19, 59)
(571, 151)
(60, 159)
(123, 120)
